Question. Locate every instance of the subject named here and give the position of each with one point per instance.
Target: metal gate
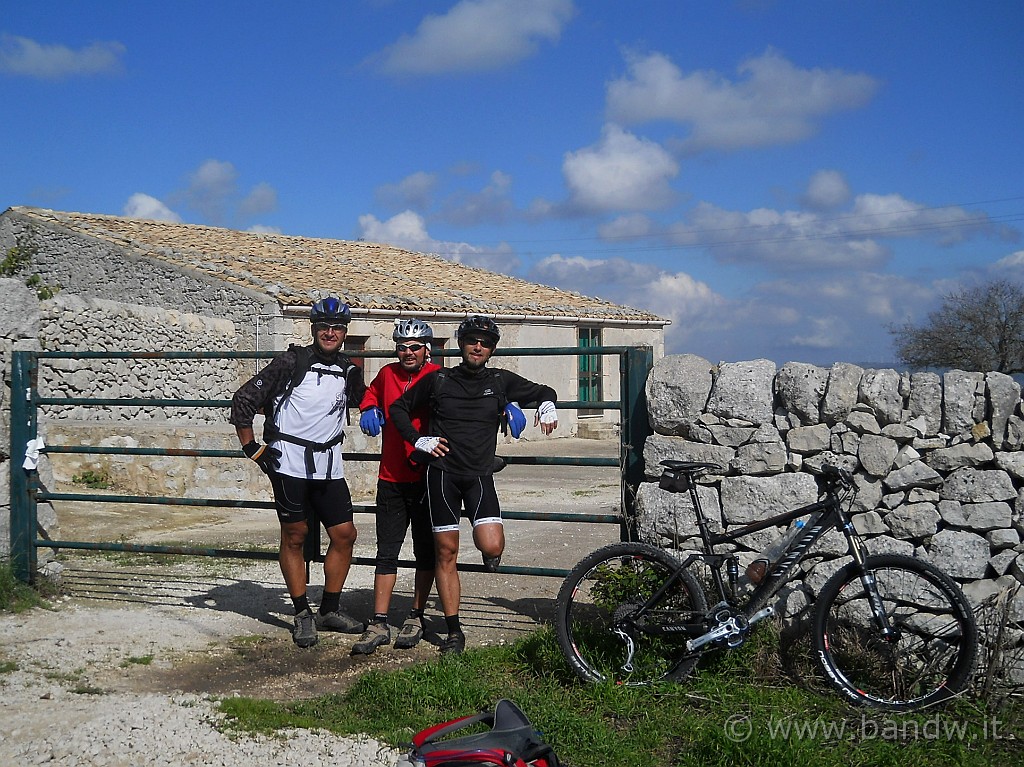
(635, 363)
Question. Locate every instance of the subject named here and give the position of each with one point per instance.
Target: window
(439, 344)
(589, 369)
(356, 344)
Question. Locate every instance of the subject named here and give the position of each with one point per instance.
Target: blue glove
(371, 421)
(515, 419)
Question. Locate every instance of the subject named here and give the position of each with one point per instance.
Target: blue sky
(781, 179)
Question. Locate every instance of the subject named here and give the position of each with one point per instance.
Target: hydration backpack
(512, 741)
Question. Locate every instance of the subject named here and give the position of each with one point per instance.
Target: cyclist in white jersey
(305, 394)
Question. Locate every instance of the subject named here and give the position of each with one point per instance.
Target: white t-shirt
(314, 410)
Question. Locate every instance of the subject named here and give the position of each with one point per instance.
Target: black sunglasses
(320, 327)
(487, 343)
(409, 347)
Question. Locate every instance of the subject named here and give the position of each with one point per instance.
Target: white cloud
(691, 304)
(262, 229)
(891, 215)
(261, 199)
(810, 239)
(408, 230)
(25, 57)
(490, 204)
(1012, 262)
(141, 205)
(827, 189)
(626, 227)
(620, 172)
(210, 188)
(414, 191)
(477, 35)
(779, 239)
(773, 101)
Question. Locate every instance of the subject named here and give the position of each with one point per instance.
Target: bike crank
(731, 628)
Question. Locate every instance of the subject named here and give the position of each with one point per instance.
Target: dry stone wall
(937, 460)
(73, 323)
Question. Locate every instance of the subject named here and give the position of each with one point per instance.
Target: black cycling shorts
(297, 499)
(449, 493)
(399, 506)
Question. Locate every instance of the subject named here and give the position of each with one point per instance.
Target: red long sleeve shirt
(388, 385)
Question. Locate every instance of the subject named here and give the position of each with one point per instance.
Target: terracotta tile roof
(368, 275)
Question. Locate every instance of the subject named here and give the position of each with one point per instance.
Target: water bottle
(758, 569)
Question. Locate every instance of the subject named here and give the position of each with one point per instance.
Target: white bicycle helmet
(412, 328)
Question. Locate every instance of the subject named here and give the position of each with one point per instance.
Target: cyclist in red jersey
(401, 490)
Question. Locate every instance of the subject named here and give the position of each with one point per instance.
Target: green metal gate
(635, 363)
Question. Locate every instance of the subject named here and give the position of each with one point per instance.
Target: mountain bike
(888, 631)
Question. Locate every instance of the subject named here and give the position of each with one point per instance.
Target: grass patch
(137, 660)
(726, 714)
(8, 667)
(88, 689)
(15, 596)
(95, 480)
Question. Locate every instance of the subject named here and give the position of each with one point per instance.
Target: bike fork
(867, 579)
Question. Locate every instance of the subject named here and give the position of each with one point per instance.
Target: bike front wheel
(927, 656)
(601, 629)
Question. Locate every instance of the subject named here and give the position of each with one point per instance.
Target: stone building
(263, 284)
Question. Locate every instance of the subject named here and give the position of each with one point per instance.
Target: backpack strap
(305, 358)
(431, 734)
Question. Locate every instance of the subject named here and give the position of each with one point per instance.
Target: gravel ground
(66, 703)
(126, 669)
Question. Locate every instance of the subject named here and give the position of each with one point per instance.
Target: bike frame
(825, 513)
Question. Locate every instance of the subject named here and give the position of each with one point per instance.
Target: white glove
(428, 444)
(546, 413)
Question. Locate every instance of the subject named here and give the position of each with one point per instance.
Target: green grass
(137, 660)
(738, 710)
(15, 596)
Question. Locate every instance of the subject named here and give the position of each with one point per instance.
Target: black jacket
(466, 408)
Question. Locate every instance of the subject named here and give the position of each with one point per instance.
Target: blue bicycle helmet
(330, 309)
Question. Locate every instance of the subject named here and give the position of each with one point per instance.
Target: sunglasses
(487, 343)
(320, 327)
(409, 347)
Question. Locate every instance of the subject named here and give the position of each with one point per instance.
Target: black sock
(301, 603)
(329, 602)
(453, 623)
(381, 618)
(416, 613)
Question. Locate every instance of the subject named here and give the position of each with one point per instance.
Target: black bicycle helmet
(330, 309)
(478, 324)
(412, 328)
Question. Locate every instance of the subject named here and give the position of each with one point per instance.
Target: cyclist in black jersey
(466, 405)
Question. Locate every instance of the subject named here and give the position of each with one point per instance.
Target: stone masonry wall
(937, 461)
(101, 269)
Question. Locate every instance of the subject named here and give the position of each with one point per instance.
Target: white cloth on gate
(32, 448)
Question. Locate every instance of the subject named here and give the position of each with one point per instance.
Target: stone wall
(102, 269)
(69, 323)
(937, 462)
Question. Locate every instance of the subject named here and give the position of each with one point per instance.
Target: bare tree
(980, 328)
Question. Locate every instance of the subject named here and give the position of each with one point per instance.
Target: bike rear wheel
(609, 586)
(929, 657)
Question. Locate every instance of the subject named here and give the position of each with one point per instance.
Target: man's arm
(401, 410)
(256, 393)
(527, 392)
(355, 388)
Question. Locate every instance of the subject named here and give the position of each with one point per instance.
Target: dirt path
(145, 624)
